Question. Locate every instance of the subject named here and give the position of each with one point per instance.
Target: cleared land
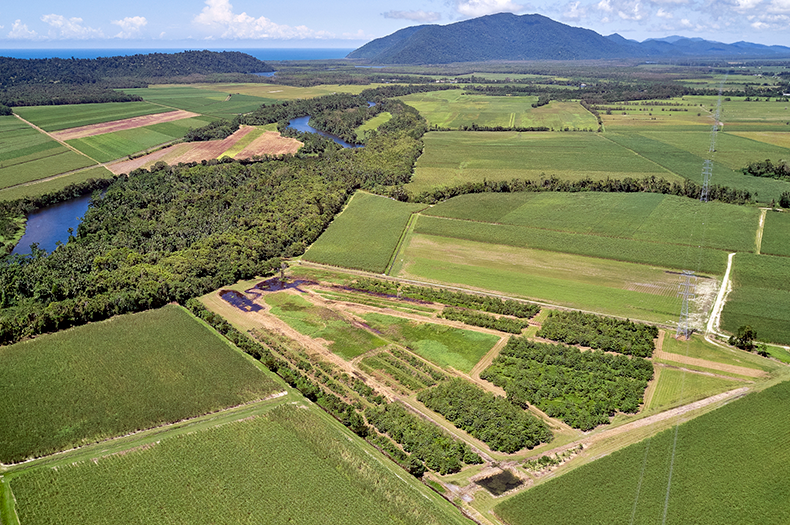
(118, 144)
(760, 297)
(27, 154)
(106, 379)
(56, 118)
(291, 464)
(365, 235)
(455, 157)
(121, 125)
(455, 108)
(707, 487)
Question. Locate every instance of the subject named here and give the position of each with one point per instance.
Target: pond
(51, 224)
(301, 124)
(500, 483)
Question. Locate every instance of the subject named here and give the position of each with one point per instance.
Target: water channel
(301, 124)
(51, 225)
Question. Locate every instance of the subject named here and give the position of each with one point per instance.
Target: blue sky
(351, 23)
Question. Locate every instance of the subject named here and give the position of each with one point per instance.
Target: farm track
(715, 316)
(56, 139)
(758, 239)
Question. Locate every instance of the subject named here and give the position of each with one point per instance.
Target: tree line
(779, 170)
(600, 332)
(470, 317)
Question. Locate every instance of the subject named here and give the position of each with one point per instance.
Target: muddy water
(500, 483)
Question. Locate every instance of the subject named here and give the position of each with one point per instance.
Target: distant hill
(14, 71)
(506, 36)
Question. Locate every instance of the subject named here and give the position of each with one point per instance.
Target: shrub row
(503, 324)
(600, 332)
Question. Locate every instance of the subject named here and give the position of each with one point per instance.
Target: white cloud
(130, 26)
(605, 5)
(69, 28)
(779, 6)
(686, 22)
(631, 12)
(219, 18)
(573, 11)
(663, 14)
(19, 31)
(415, 16)
(475, 8)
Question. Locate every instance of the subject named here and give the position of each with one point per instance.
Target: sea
(270, 54)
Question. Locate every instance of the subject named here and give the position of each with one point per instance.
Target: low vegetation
(584, 389)
(601, 333)
(491, 419)
(503, 324)
(95, 382)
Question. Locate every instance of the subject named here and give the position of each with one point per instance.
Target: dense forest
(491, 419)
(584, 389)
(600, 332)
(175, 232)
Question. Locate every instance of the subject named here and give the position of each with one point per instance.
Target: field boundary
(403, 236)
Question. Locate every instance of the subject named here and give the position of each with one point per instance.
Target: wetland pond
(50, 225)
(500, 483)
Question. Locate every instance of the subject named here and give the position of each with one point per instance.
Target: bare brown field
(270, 143)
(121, 125)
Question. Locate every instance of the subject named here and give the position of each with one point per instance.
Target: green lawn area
(346, 340)
(611, 287)
(760, 297)
(679, 387)
(290, 464)
(374, 123)
(455, 108)
(105, 379)
(56, 118)
(456, 157)
(364, 235)
(442, 345)
(720, 474)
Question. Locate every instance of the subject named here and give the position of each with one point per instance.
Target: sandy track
(120, 125)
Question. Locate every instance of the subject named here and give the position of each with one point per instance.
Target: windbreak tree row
(584, 389)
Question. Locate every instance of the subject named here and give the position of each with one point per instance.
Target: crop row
(491, 419)
(600, 332)
(584, 389)
(503, 324)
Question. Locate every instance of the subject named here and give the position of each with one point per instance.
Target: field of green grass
(105, 379)
(364, 236)
(679, 387)
(728, 466)
(760, 297)
(698, 348)
(119, 144)
(275, 92)
(637, 216)
(291, 464)
(27, 155)
(455, 108)
(210, 102)
(373, 124)
(56, 118)
(442, 345)
(610, 287)
(346, 340)
(776, 234)
(455, 157)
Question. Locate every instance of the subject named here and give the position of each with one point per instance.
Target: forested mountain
(15, 71)
(506, 36)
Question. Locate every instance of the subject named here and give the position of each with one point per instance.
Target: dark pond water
(500, 483)
(301, 124)
(240, 301)
(266, 74)
(50, 225)
(246, 301)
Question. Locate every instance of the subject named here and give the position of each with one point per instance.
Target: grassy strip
(678, 387)
(105, 379)
(740, 486)
(776, 234)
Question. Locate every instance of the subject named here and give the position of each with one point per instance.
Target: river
(51, 224)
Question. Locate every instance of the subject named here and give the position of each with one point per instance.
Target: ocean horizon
(270, 54)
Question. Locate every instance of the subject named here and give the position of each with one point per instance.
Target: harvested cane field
(27, 154)
(291, 464)
(455, 157)
(105, 379)
(760, 297)
(610, 287)
(728, 466)
(121, 125)
(118, 144)
(56, 118)
(443, 345)
(365, 235)
(455, 109)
